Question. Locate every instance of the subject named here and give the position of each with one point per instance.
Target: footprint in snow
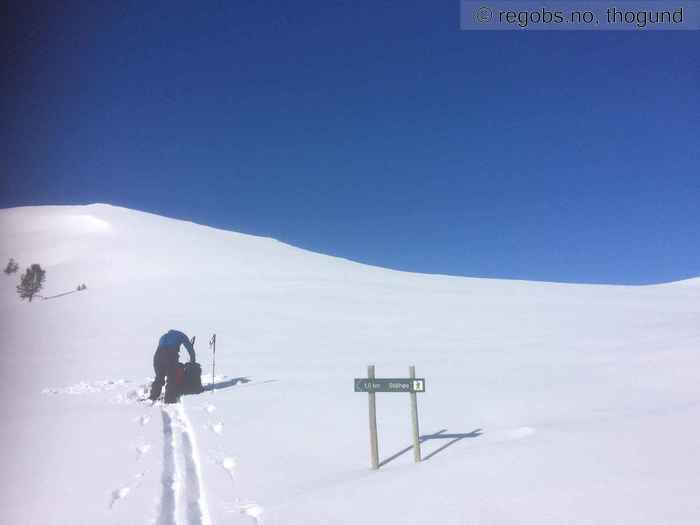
(230, 465)
(119, 494)
(138, 394)
(143, 450)
(123, 492)
(143, 420)
(209, 409)
(217, 428)
(253, 510)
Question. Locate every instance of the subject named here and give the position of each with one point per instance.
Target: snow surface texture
(546, 403)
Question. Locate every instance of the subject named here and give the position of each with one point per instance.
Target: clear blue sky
(371, 130)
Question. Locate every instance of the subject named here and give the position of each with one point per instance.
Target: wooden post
(414, 418)
(373, 443)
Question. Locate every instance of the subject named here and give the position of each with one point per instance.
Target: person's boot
(156, 389)
(171, 394)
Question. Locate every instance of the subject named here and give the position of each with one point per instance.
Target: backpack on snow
(188, 378)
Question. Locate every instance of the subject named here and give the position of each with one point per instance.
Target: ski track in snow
(196, 512)
(182, 500)
(168, 498)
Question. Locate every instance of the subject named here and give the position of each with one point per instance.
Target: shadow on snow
(454, 438)
(227, 383)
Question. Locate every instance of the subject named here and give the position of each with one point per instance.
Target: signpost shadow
(454, 438)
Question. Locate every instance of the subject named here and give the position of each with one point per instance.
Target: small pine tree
(11, 267)
(31, 282)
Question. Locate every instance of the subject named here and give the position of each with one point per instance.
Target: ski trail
(168, 499)
(197, 512)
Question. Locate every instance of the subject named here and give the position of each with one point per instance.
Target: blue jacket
(173, 339)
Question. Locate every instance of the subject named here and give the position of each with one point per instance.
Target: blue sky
(375, 131)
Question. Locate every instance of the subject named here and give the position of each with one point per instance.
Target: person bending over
(165, 363)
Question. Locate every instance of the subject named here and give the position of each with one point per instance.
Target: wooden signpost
(371, 385)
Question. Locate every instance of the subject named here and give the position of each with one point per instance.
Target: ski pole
(212, 345)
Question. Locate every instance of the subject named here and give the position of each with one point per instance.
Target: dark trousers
(165, 362)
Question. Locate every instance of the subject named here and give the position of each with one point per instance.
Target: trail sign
(371, 385)
(402, 385)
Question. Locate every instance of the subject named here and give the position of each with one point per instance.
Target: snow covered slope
(546, 403)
